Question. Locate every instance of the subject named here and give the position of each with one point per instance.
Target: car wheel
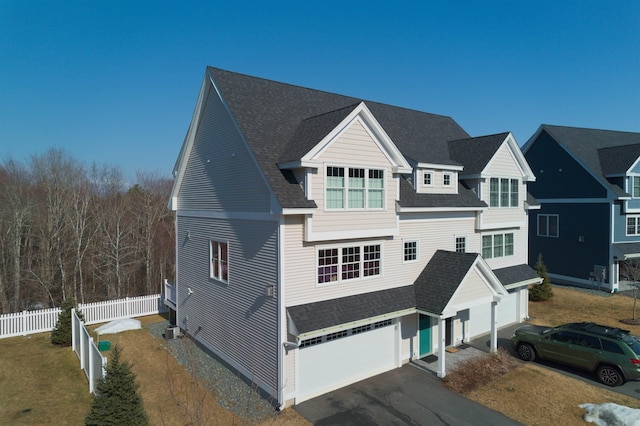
(526, 352)
(609, 375)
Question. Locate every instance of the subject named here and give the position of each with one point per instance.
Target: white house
(322, 239)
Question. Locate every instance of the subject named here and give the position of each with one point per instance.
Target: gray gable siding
(234, 319)
(566, 255)
(558, 175)
(220, 173)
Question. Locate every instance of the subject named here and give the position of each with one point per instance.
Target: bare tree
(54, 173)
(631, 269)
(148, 198)
(16, 213)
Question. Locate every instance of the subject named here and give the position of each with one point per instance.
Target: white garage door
(480, 316)
(333, 364)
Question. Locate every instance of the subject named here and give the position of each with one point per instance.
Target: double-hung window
(219, 260)
(446, 179)
(348, 263)
(633, 225)
(503, 192)
(461, 244)
(636, 187)
(354, 188)
(497, 245)
(548, 225)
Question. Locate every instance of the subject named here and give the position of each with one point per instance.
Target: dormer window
(427, 178)
(503, 192)
(363, 188)
(446, 179)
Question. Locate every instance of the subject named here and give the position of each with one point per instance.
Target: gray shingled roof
(617, 160)
(475, 153)
(440, 279)
(464, 198)
(515, 274)
(626, 249)
(344, 310)
(584, 145)
(274, 116)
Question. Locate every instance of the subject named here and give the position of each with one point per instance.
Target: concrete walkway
(463, 353)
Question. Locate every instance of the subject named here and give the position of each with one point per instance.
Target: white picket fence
(91, 360)
(43, 320)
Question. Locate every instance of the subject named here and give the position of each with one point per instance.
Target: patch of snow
(119, 325)
(610, 414)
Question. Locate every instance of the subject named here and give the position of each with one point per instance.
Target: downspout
(282, 331)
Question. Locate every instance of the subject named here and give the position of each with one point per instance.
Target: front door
(425, 335)
(448, 332)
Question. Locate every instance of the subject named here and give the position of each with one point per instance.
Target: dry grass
(534, 395)
(43, 384)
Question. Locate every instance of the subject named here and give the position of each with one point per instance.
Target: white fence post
(24, 323)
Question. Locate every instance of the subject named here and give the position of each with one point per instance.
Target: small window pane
(514, 192)
(504, 192)
(487, 244)
(553, 225)
(508, 244)
(371, 260)
(497, 246)
(493, 192)
(350, 263)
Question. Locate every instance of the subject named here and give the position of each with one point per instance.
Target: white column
(441, 347)
(494, 327)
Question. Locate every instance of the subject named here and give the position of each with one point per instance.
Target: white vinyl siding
(355, 149)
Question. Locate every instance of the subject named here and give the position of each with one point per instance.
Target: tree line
(70, 230)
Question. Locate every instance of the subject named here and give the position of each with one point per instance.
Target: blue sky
(117, 81)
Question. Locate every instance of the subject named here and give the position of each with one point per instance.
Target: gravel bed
(231, 392)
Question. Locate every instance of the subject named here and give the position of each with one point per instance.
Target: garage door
(480, 316)
(339, 359)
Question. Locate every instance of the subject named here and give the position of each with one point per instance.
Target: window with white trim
(548, 225)
(355, 189)
(636, 186)
(348, 263)
(461, 244)
(633, 225)
(410, 251)
(219, 260)
(503, 192)
(446, 179)
(427, 178)
(497, 245)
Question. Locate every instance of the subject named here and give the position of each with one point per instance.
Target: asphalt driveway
(403, 396)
